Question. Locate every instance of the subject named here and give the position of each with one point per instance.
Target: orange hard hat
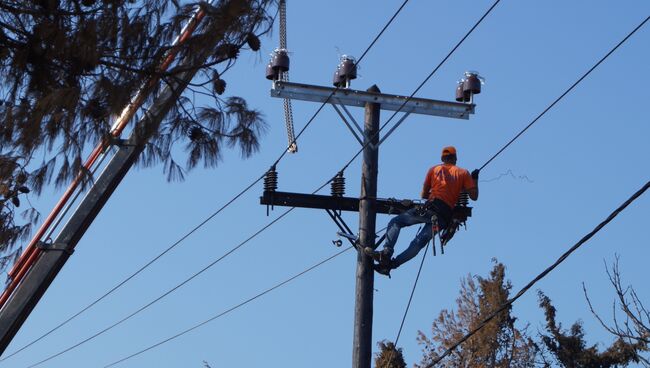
(449, 150)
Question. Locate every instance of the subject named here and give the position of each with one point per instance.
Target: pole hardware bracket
(120, 142)
(49, 246)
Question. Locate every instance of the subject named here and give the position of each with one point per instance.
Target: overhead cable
(173, 289)
(159, 298)
(565, 93)
(471, 30)
(284, 153)
(415, 284)
(230, 309)
(256, 181)
(521, 292)
(537, 118)
(324, 103)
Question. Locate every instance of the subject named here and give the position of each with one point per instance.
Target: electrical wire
(543, 274)
(547, 109)
(128, 278)
(276, 162)
(173, 289)
(255, 182)
(471, 30)
(230, 309)
(415, 284)
(565, 93)
(168, 292)
(363, 55)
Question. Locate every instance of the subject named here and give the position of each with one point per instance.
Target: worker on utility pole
(442, 187)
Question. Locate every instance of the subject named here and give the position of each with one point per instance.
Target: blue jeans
(408, 218)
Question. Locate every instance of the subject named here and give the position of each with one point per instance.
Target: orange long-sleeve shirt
(445, 182)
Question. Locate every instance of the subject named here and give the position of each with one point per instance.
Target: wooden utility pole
(367, 205)
(362, 344)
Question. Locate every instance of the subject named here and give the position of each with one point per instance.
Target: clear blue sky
(583, 159)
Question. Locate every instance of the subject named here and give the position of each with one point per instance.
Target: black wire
(501, 150)
(120, 284)
(178, 286)
(276, 162)
(543, 274)
(320, 108)
(565, 93)
(415, 284)
(394, 114)
(173, 289)
(424, 81)
(228, 310)
(133, 274)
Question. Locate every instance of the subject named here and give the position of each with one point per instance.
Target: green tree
(498, 344)
(68, 67)
(389, 356)
(568, 348)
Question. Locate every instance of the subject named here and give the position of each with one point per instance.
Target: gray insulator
(460, 95)
(271, 180)
(472, 84)
(338, 185)
(348, 69)
(337, 80)
(280, 61)
(270, 73)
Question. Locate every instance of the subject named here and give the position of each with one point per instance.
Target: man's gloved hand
(475, 174)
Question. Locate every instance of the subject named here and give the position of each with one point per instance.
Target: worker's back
(446, 181)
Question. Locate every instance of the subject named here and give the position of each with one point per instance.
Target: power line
(255, 182)
(471, 30)
(324, 103)
(157, 299)
(415, 284)
(228, 310)
(127, 279)
(458, 44)
(543, 274)
(539, 277)
(529, 125)
(388, 121)
(565, 93)
(173, 289)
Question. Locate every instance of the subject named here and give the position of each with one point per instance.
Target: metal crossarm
(350, 97)
(386, 206)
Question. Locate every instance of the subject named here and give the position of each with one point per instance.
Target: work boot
(383, 269)
(380, 256)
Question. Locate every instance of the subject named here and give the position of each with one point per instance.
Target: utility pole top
(374, 89)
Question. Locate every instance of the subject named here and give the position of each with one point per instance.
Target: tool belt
(440, 208)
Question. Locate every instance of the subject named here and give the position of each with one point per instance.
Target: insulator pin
(271, 180)
(338, 185)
